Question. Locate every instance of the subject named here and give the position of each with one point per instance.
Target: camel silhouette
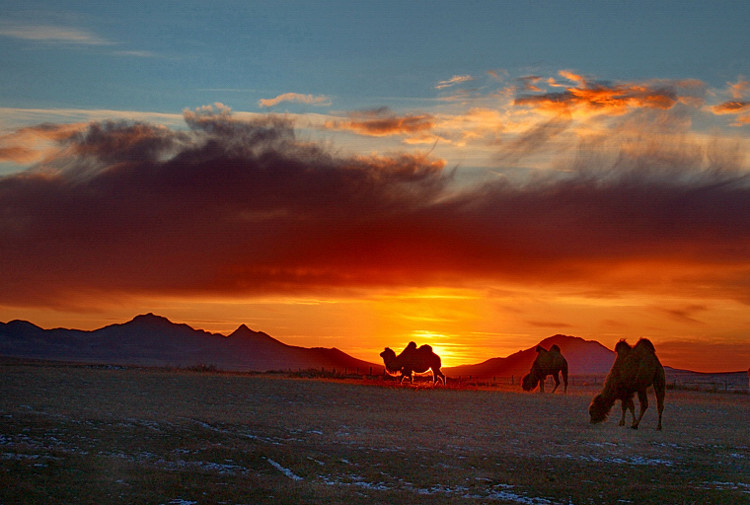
(546, 363)
(634, 370)
(412, 359)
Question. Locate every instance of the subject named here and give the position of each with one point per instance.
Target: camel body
(546, 363)
(634, 370)
(413, 359)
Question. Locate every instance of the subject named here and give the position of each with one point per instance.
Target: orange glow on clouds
(590, 208)
(382, 122)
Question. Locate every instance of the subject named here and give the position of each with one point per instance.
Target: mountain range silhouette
(152, 340)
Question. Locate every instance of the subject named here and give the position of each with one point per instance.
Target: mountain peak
(153, 322)
(150, 318)
(18, 325)
(243, 331)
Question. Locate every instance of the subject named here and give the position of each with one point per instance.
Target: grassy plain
(82, 435)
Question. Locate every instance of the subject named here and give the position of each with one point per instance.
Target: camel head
(599, 409)
(529, 381)
(389, 358)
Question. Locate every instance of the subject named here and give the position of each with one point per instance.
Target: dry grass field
(83, 435)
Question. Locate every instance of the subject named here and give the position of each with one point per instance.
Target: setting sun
(362, 252)
(339, 188)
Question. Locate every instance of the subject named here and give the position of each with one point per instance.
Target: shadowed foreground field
(90, 435)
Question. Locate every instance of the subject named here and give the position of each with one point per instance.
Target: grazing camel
(634, 370)
(546, 363)
(413, 359)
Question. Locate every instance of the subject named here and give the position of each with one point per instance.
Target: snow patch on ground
(727, 486)
(500, 492)
(624, 460)
(283, 470)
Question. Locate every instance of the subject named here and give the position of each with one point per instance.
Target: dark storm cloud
(235, 207)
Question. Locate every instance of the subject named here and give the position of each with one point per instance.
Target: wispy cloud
(52, 34)
(456, 79)
(740, 109)
(739, 103)
(581, 94)
(28, 145)
(382, 121)
(739, 89)
(295, 97)
(136, 54)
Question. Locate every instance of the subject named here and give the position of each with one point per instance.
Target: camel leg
(404, 375)
(627, 404)
(631, 407)
(556, 376)
(643, 400)
(660, 386)
(439, 374)
(541, 383)
(659, 404)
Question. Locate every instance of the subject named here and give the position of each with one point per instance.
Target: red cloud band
(234, 207)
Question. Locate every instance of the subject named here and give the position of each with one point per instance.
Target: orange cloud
(382, 122)
(232, 207)
(529, 83)
(738, 108)
(602, 97)
(28, 145)
(295, 97)
(739, 89)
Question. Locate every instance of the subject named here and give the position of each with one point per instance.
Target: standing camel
(413, 359)
(546, 363)
(634, 370)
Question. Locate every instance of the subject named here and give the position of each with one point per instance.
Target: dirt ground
(72, 434)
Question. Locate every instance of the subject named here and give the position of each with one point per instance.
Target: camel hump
(425, 348)
(411, 345)
(622, 346)
(540, 349)
(646, 344)
(555, 348)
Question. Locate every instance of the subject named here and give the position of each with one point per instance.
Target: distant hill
(150, 340)
(585, 357)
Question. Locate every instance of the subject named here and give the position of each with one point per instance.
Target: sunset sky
(473, 175)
